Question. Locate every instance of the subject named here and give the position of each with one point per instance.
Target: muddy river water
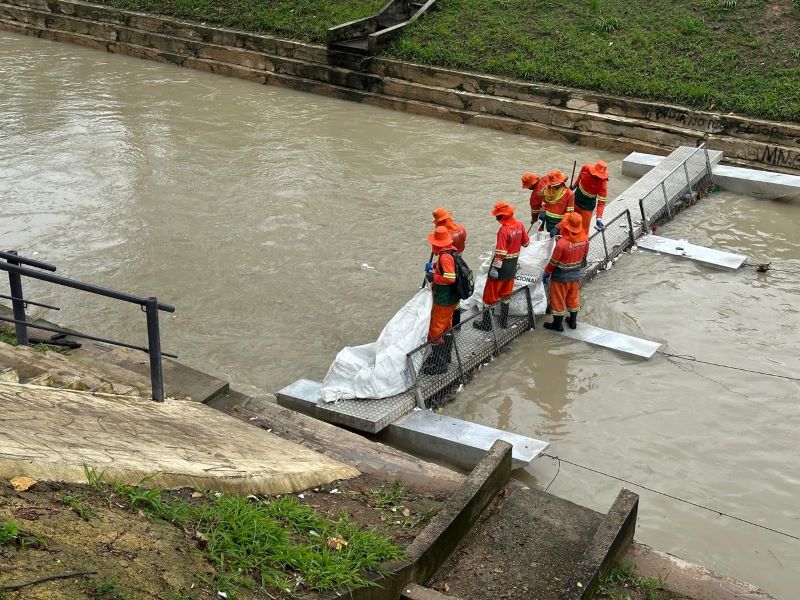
(284, 226)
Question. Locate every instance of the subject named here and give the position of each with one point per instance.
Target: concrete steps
(52, 369)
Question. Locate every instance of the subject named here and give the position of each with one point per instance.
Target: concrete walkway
(50, 434)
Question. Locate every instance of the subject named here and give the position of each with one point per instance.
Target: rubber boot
(557, 324)
(572, 320)
(504, 314)
(456, 318)
(485, 324)
(436, 363)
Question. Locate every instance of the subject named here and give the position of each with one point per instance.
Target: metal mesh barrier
(441, 365)
(681, 187)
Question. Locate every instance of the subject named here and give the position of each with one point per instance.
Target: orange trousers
(441, 321)
(586, 215)
(497, 289)
(564, 297)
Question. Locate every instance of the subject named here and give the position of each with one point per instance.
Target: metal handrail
(83, 336)
(150, 305)
(26, 301)
(22, 260)
(79, 285)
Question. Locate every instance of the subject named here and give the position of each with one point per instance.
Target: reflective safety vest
(591, 192)
(444, 276)
(567, 258)
(556, 202)
(510, 238)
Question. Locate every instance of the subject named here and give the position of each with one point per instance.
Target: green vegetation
(272, 544)
(725, 55)
(8, 336)
(77, 502)
(622, 579)
(8, 532)
(110, 589)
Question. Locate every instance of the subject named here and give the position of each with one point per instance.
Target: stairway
(366, 36)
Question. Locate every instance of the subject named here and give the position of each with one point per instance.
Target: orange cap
(440, 215)
(572, 222)
(502, 208)
(600, 169)
(555, 178)
(440, 238)
(529, 180)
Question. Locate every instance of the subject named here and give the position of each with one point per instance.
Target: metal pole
(605, 246)
(531, 320)
(420, 401)
(688, 181)
(461, 375)
(630, 229)
(645, 222)
(15, 283)
(154, 346)
(666, 199)
(708, 164)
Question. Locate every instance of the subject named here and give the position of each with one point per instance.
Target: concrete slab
(612, 340)
(682, 248)
(456, 441)
(755, 182)
(50, 434)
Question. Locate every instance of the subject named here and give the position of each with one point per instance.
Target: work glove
(429, 266)
(545, 277)
(429, 276)
(599, 225)
(494, 273)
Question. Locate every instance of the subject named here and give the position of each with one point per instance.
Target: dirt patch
(64, 527)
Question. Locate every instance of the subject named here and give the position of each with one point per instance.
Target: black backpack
(465, 281)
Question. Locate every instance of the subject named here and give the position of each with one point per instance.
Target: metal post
(666, 199)
(531, 319)
(709, 170)
(645, 222)
(420, 401)
(688, 181)
(154, 347)
(458, 359)
(15, 283)
(605, 246)
(630, 229)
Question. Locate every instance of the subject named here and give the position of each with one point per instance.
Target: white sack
(532, 261)
(380, 369)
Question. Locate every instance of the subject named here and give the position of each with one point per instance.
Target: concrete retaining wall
(551, 112)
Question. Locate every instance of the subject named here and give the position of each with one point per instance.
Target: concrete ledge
(755, 182)
(438, 540)
(687, 579)
(417, 592)
(551, 112)
(610, 542)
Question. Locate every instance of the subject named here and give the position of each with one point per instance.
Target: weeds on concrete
(277, 544)
(387, 497)
(623, 577)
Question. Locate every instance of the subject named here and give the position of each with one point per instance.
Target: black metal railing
(440, 365)
(18, 267)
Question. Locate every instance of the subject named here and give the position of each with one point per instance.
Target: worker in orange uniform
(591, 190)
(556, 200)
(537, 185)
(442, 275)
(564, 272)
(500, 283)
(443, 217)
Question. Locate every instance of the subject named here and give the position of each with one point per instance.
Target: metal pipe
(79, 285)
(154, 342)
(666, 199)
(84, 336)
(22, 260)
(4, 297)
(18, 305)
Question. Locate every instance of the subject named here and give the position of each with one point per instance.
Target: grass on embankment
(188, 545)
(725, 55)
